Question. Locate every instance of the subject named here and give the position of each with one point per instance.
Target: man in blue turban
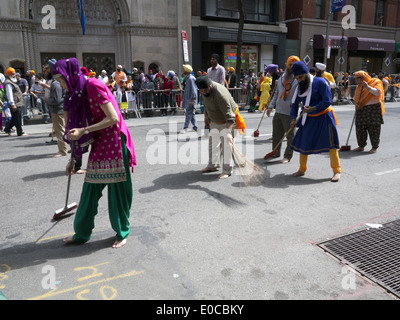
(317, 131)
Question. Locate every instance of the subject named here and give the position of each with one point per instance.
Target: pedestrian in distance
(189, 99)
(15, 102)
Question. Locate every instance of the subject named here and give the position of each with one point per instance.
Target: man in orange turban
(368, 99)
(291, 60)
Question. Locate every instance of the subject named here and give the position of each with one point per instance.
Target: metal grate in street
(373, 252)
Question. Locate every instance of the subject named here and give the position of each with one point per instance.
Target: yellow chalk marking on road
(55, 292)
(93, 268)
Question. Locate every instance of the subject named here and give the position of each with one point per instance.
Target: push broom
(68, 207)
(347, 147)
(256, 133)
(275, 150)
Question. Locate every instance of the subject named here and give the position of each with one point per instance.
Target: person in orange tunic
(369, 101)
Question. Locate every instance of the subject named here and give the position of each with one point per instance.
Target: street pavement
(194, 237)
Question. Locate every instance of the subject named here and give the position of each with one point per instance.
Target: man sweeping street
(317, 131)
(220, 115)
(282, 101)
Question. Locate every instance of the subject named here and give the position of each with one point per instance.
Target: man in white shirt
(216, 72)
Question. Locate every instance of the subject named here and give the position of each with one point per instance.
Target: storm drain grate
(373, 252)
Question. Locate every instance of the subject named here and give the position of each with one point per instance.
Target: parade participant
(265, 88)
(369, 102)
(120, 78)
(220, 115)
(282, 102)
(321, 72)
(93, 118)
(317, 128)
(189, 99)
(15, 102)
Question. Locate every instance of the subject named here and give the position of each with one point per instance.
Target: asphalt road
(194, 237)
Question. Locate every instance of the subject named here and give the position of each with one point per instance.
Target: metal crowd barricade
(157, 100)
(241, 97)
(154, 100)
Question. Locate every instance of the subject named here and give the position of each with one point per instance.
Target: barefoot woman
(94, 119)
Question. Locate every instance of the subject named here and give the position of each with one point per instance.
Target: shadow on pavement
(187, 181)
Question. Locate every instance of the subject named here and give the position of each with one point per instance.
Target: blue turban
(299, 68)
(272, 68)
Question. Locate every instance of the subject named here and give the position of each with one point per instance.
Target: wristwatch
(86, 130)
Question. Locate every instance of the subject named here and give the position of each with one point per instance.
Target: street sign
(307, 59)
(341, 60)
(387, 62)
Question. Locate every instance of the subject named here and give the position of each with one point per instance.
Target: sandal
(298, 174)
(207, 169)
(223, 176)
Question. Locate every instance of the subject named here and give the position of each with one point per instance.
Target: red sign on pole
(185, 46)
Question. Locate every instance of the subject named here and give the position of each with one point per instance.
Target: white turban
(320, 66)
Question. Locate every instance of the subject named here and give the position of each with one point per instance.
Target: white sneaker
(182, 131)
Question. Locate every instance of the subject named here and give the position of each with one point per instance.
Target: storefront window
(249, 57)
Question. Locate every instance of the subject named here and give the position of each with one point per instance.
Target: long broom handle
(354, 118)
(71, 166)
(351, 128)
(286, 134)
(265, 109)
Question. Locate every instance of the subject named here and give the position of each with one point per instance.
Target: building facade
(139, 33)
(133, 33)
(373, 45)
(215, 30)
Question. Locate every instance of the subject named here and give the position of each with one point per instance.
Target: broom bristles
(248, 170)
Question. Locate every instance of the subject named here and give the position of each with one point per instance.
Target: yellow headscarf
(362, 97)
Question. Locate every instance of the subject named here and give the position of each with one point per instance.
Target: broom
(68, 207)
(275, 150)
(347, 147)
(256, 133)
(248, 170)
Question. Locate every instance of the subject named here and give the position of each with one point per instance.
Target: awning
(319, 41)
(230, 35)
(369, 44)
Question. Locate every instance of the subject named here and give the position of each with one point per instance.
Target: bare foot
(69, 240)
(298, 174)
(336, 177)
(119, 244)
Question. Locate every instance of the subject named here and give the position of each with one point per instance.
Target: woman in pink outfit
(93, 118)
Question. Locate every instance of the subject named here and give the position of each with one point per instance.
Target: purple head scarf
(76, 104)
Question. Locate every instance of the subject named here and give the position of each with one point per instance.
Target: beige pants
(59, 128)
(219, 148)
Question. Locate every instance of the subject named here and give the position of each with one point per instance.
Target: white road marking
(387, 172)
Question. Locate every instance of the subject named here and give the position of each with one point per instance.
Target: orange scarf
(362, 97)
(240, 125)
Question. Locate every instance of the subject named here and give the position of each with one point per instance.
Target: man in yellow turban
(368, 99)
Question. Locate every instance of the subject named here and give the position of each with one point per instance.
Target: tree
(239, 41)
